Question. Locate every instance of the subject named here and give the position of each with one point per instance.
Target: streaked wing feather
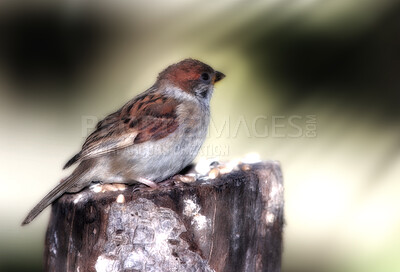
(145, 118)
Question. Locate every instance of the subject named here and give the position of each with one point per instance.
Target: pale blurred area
(331, 65)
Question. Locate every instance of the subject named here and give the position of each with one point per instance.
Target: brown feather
(145, 118)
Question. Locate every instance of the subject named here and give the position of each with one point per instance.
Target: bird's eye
(205, 77)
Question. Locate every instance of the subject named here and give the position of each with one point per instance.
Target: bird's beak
(217, 77)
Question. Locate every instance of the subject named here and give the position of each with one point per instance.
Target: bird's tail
(58, 191)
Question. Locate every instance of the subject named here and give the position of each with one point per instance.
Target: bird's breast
(193, 122)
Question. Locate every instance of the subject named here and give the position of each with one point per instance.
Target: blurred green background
(314, 84)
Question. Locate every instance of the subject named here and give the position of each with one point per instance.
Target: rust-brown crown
(187, 73)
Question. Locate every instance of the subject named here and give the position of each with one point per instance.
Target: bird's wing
(146, 118)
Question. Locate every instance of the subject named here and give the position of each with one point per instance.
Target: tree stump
(231, 223)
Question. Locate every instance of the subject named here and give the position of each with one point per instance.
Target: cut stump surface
(231, 223)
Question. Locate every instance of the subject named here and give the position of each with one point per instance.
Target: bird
(149, 139)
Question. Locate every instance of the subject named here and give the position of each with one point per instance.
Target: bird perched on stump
(152, 137)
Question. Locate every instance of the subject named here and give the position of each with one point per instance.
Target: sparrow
(151, 138)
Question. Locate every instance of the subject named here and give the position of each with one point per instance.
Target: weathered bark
(232, 223)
